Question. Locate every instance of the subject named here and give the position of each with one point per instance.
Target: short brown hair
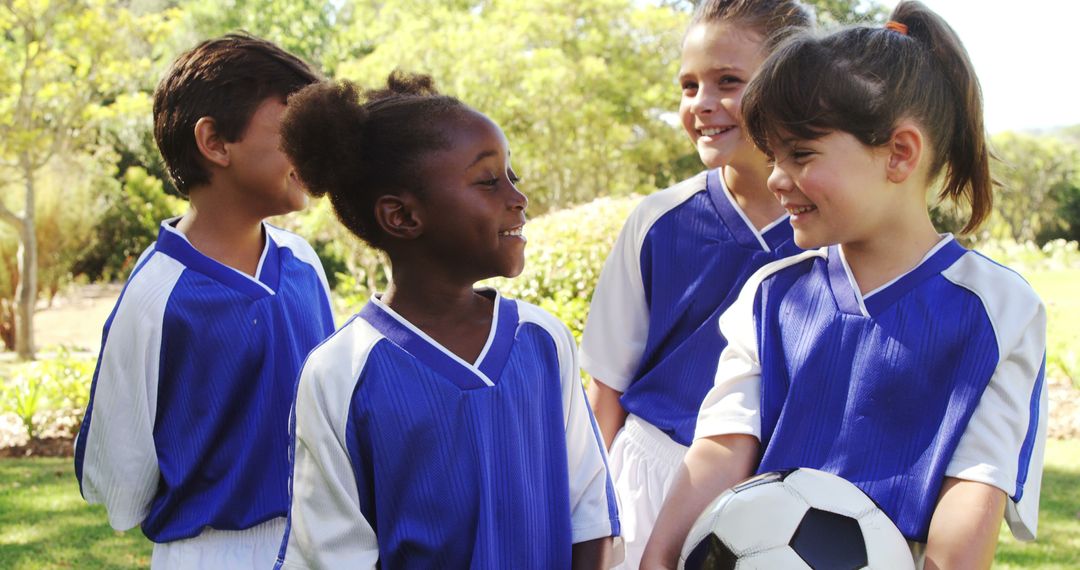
(226, 79)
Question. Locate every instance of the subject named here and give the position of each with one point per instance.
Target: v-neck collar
(738, 223)
(846, 290)
(175, 244)
(483, 373)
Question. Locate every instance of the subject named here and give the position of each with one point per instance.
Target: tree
(580, 87)
(829, 12)
(63, 60)
(307, 28)
(1035, 173)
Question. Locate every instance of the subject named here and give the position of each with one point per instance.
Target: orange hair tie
(896, 27)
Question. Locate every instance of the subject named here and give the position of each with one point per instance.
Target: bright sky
(1025, 54)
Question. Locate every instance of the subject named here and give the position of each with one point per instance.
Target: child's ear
(905, 151)
(211, 145)
(398, 216)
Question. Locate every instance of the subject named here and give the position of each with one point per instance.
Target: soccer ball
(802, 518)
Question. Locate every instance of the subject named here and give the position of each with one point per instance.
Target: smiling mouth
(796, 210)
(517, 232)
(714, 131)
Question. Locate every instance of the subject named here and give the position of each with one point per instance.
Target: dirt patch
(1064, 408)
(50, 447)
(75, 319)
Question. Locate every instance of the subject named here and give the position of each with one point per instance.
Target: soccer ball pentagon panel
(798, 519)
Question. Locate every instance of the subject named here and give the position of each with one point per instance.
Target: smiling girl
(891, 356)
(443, 426)
(651, 340)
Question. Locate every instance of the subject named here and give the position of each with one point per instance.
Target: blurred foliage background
(584, 89)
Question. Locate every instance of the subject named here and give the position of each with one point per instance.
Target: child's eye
(514, 179)
(729, 81)
(488, 182)
(689, 87)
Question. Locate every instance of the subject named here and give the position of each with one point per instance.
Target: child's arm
(618, 326)
(327, 528)
(609, 412)
(964, 528)
(592, 554)
(115, 455)
(712, 465)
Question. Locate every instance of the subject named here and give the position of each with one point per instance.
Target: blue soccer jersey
(936, 374)
(407, 455)
(679, 261)
(187, 425)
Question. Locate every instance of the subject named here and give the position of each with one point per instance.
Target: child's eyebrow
(482, 156)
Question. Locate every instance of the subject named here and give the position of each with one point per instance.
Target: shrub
(49, 396)
(566, 252)
(563, 259)
(132, 215)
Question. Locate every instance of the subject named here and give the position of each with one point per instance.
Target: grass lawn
(45, 524)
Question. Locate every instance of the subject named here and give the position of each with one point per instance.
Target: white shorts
(643, 462)
(256, 547)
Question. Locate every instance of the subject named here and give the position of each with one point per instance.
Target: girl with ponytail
(887, 353)
(443, 426)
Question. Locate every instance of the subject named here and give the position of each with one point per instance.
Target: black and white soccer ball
(797, 519)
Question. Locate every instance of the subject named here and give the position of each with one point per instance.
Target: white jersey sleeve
(618, 322)
(1004, 441)
(119, 464)
(593, 512)
(733, 404)
(617, 327)
(326, 526)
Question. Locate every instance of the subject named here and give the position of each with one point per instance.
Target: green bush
(565, 254)
(49, 396)
(132, 214)
(1029, 257)
(563, 259)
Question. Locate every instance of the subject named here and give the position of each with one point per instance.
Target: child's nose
(518, 199)
(704, 102)
(778, 180)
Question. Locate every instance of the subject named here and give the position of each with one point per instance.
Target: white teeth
(513, 232)
(800, 209)
(714, 131)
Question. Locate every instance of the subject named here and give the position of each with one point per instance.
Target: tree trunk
(26, 292)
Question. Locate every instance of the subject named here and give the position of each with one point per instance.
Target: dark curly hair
(357, 145)
(226, 79)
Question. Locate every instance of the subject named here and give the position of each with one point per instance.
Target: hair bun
(316, 114)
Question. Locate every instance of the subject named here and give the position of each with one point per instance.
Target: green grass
(1058, 545)
(45, 524)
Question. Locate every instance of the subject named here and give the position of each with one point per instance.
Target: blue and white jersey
(187, 425)
(938, 373)
(408, 455)
(680, 260)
